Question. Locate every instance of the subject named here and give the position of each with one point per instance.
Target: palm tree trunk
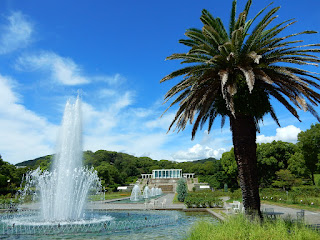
(312, 178)
(244, 142)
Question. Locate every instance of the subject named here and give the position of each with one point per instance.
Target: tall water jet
(63, 191)
(68, 161)
(146, 192)
(153, 192)
(135, 193)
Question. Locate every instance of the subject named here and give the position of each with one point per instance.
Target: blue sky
(114, 52)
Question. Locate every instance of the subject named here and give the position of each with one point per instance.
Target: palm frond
(259, 28)
(236, 73)
(232, 18)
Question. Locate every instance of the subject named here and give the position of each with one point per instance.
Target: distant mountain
(205, 160)
(36, 161)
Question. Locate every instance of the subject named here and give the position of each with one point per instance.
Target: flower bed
(309, 196)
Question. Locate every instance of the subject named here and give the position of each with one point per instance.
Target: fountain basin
(31, 223)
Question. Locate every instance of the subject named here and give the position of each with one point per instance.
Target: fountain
(158, 191)
(153, 192)
(62, 193)
(146, 192)
(135, 194)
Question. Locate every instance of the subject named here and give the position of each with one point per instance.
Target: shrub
(202, 200)
(237, 194)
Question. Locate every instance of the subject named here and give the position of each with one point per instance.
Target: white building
(167, 173)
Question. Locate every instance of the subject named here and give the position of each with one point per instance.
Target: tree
(182, 189)
(233, 74)
(309, 143)
(212, 173)
(230, 168)
(103, 172)
(271, 158)
(285, 179)
(297, 165)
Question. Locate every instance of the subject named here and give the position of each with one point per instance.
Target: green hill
(116, 168)
(34, 162)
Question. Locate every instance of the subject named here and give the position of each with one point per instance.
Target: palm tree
(235, 74)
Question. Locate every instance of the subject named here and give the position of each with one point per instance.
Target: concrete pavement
(166, 199)
(309, 216)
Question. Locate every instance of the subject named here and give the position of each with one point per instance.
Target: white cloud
(62, 69)
(97, 122)
(122, 101)
(17, 34)
(198, 152)
(116, 79)
(23, 134)
(106, 93)
(286, 134)
(161, 122)
(141, 112)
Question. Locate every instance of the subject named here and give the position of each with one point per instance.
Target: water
(115, 225)
(153, 192)
(146, 192)
(62, 192)
(127, 200)
(158, 191)
(135, 194)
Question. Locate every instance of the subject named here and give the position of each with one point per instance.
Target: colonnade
(188, 175)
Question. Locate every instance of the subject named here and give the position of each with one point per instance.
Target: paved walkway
(309, 216)
(112, 205)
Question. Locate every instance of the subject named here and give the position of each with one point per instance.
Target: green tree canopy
(285, 179)
(272, 157)
(230, 168)
(309, 143)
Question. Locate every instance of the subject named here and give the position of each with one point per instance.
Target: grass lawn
(238, 227)
(175, 199)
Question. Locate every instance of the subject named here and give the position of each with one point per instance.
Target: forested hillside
(115, 168)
